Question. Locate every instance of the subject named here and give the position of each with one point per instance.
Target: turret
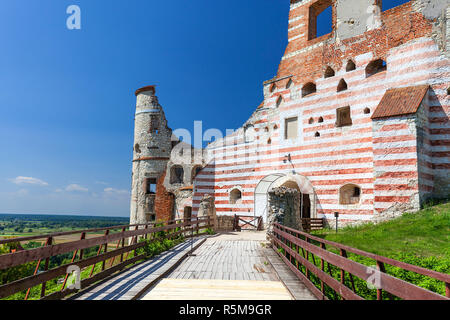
(151, 152)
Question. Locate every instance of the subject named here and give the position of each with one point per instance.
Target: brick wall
(164, 202)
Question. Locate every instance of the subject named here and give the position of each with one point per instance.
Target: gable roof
(400, 101)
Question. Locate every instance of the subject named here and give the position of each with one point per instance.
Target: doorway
(187, 214)
(305, 206)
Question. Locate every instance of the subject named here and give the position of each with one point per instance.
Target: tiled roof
(400, 101)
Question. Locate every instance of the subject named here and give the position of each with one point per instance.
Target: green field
(21, 225)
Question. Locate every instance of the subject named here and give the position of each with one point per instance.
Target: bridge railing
(303, 253)
(247, 222)
(125, 240)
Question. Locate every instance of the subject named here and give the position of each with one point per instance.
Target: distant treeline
(29, 222)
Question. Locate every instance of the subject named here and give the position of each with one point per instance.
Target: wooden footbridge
(116, 263)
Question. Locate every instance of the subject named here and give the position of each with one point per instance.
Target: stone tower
(151, 152)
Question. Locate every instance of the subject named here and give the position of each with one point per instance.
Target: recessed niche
(329, 72)
(308, 89)
(317, 134)
(320, 120)
(289, 84)
(342, 86)
(311, 120)
(366, 111)
(375, 67)
(273, 87)
(279, 101)
(350, 66)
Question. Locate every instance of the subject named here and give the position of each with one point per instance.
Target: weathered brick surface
(165, 201)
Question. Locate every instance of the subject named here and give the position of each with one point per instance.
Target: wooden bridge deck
(232, 266)
(133, 282)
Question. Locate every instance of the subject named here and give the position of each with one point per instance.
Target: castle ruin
(357, 121)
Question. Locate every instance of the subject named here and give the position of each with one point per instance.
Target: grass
(423, 234)
(420, 239)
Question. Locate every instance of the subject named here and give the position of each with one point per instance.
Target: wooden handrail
(66, 233)
(284, 237)
(406, 266)
(48, 251)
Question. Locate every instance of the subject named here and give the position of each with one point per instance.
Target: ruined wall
(328, 155)
(284, 207)
(164, 202)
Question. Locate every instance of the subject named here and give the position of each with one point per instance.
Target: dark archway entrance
(187, 214)
(305, 206)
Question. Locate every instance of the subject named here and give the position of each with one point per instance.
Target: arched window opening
(195, 172)
(289, 84)
(176, 175)
(329, 72)
(342, 86)
(279, 101)
(350, 66)
(273, 87)
(308, 89)
(320, 119)
(350, 194)
(375, 67)
(311, 120)
(269, 141)
(235, 196)
(317, 134)
(366, 111)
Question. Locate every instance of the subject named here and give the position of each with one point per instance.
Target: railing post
(83, 235)
(47, 261)
(344, 254)
(36, 270)
(380, 267)
(98, 253)
(342, 270)
(123, 244)
(322, 265)
(106, 250)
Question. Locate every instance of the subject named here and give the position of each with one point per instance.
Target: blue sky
(67, 96)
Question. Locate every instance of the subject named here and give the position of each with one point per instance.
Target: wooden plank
(173, 289)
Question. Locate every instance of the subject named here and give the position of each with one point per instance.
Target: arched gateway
(293, 181)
